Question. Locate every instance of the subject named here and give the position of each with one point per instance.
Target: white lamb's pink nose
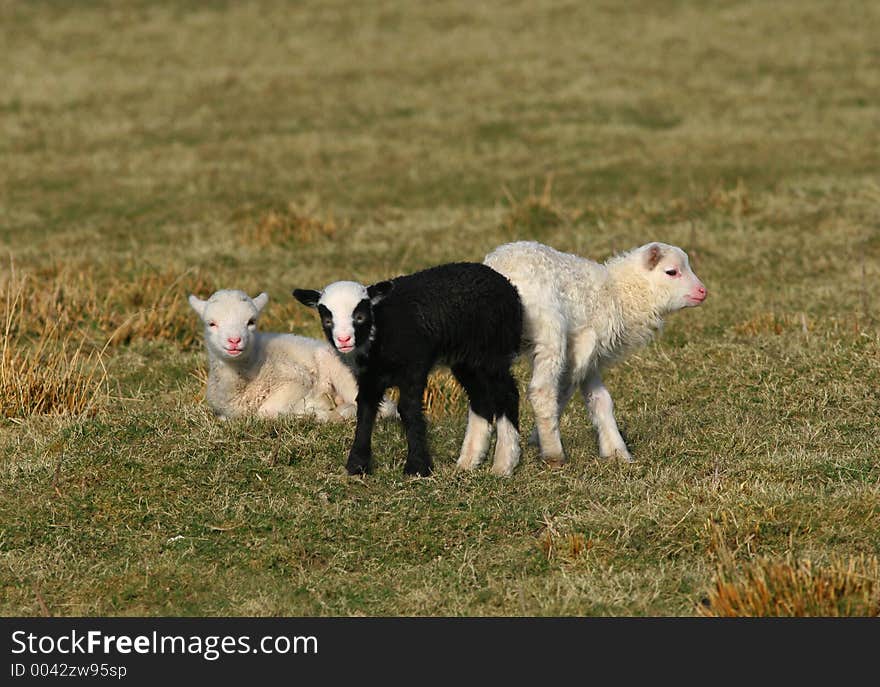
(701, 291)
(234, 340)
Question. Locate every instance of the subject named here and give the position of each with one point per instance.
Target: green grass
(151, 148)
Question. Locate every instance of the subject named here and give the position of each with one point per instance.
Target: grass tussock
(768, 587)
(562, 546)
(746, 584)
(53, 374)
(775, 323)
(295, 224)
(154, 307)
(535, 214)
(443, 396)
(148, 306)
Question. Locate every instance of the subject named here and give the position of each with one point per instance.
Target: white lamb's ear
(261, 300)
(653, 254)
(197, 304)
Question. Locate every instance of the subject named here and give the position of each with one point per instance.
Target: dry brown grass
(768, 587)
(295, 224)
(750, 585)
(154, 307)
(51, 375)
(443, 395)
(775, 323)
(534, 213)
(149, 306)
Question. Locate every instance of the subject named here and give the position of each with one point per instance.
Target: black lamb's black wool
(465, 315)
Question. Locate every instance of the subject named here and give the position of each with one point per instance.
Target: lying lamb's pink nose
(234, 340)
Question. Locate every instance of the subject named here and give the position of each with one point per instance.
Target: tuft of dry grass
(535, 213)
(150, 306)
(443, 395)
(768, 587)
(775, 323)
(749, 585)
(154, 307)
(294, 224)
(52, 375)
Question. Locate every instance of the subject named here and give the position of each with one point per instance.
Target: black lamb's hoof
(357, 465)
(421, 469)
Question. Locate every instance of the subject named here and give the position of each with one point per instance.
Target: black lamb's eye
(359, 319)
(328, 321)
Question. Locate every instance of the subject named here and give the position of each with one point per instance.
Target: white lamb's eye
(212, 325)
(251, 322)
(672, 271)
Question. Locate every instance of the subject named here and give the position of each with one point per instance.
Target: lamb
(267, 374)
(581, 316)
(392, 333)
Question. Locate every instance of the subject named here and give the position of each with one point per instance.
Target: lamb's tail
(388, 408)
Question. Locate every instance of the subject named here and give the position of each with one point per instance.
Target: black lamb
(464, 315)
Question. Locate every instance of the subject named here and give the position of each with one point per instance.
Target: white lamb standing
(581, 316)
(268, 374)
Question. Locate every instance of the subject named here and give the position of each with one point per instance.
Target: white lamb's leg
(343, 386)
(548, 365)
(334, 376)
(507, 450)
(476, 441)
(565, 394)
(287, 399)
(598, 400)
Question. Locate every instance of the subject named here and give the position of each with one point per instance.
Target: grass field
(154, 149)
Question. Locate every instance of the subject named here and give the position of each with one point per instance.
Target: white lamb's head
(230, 319)
(346, 310)
(671, 282)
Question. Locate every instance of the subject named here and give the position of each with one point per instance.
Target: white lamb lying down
(581, 316)
(266, 374)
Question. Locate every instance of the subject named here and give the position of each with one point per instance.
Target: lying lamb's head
(346, 310)
(673, 283)
(230, 319)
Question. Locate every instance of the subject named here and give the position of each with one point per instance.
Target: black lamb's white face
(346, 313)
(346, 310)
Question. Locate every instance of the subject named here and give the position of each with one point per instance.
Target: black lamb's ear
(379, 290)
(308, 297)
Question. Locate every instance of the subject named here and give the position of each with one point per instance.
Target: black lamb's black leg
(507, 448)
(481, 413)
(361, 452)
(418, 459)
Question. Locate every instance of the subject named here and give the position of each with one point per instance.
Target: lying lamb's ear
(261, 300)
(653, 255)
(197, 304)
(308, 297)
(379, 290)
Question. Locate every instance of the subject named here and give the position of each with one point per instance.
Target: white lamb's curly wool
(581, 316)
(268, 374)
